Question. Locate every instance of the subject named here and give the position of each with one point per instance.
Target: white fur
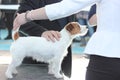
(42, 50)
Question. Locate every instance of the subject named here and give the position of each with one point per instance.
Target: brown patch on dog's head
(73, 28)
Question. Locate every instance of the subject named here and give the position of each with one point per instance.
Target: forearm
(93, 20)
(59, 10)
(37, 14)
(54, 11)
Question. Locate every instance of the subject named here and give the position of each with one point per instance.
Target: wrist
(27, 16)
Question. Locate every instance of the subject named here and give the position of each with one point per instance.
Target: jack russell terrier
(42, 50)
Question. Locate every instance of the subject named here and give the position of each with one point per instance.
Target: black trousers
(103, 68)
(9, 22)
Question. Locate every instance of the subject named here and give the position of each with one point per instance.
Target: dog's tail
(15, 34)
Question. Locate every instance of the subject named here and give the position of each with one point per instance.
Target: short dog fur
(42, 50)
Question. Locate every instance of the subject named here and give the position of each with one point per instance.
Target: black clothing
(102, 68)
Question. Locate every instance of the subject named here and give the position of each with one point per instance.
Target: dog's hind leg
(16, 61)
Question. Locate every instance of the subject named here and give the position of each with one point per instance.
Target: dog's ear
(69, 27)
(73, 28)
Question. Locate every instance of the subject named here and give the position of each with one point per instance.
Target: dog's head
(75, 29)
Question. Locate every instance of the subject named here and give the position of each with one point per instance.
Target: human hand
(51, 35)
(19, 20)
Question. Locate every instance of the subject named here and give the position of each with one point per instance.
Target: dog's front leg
(57, 68)
(51, 68)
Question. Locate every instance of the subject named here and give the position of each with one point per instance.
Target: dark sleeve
(30, 28)
(92, 11)
(26, 5)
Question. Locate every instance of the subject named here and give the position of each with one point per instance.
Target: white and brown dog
(42, 50)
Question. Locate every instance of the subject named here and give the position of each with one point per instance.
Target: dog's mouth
(83, 31)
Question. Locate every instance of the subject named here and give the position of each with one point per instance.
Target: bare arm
(93, 20)
(21, 18)
(53, 11)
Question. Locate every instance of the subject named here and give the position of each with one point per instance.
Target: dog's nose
(83, 28)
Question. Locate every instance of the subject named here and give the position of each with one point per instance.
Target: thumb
(15, 27)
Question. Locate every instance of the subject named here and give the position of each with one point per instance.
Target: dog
(42, 50)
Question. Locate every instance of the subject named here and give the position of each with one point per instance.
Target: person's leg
(103, 68)
(67, 64)
(9, 23)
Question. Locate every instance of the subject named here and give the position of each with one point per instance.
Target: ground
(39, 72)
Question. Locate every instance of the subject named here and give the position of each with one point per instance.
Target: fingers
(56, 35)
(52, 35)
(48, 36)
(19, 20)
(15, 25)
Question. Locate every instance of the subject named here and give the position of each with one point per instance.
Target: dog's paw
(15, 71)
(58, 76)
(50, 72)
(8, 75)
